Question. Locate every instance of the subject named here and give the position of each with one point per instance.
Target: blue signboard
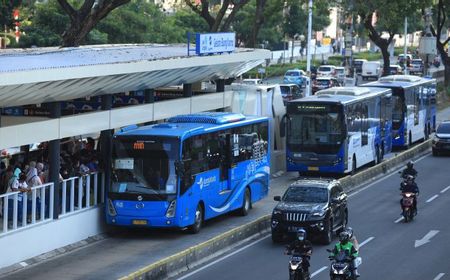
(209, 43)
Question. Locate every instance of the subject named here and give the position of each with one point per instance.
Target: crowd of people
(77, 158)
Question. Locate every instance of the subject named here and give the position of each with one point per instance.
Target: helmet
(350, 232)
(301, 234)
(344, 237)
(410, 164)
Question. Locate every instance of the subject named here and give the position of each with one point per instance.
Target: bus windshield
(144, 165)
(316, 128)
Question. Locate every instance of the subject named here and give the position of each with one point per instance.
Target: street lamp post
(308, 48)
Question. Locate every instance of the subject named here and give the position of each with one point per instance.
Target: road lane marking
(385, 177)
(446, 189)
(366, 241)
(319, 271)
(432, 198)
(222, 258)
(426, 238)
(398, 220)
(439, 276)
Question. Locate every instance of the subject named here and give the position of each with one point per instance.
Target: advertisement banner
(209, 43)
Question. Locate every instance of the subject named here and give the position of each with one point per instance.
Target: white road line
(222, 258)
(439, 276)
(398, 220)
(23, 264)
(432, 198)
(366, 241)
(446, 189)
(319, 271)
(385, 177)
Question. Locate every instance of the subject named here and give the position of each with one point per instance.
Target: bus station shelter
(38, 87)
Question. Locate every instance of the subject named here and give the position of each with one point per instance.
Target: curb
(194, 255)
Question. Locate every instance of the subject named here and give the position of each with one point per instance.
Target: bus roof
(343, 95)
(399, 81)
(181, 125)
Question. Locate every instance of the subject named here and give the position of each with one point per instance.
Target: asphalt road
(391, 249)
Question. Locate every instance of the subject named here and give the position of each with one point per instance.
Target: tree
(443, 13)
(214, 15)
(387, 16)
(84, 17)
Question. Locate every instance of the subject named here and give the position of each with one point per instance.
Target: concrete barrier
(197, 254)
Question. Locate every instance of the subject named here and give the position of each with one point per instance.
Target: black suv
(319, 206)
(441, 139)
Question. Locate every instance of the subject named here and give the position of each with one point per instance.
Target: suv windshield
(305, 194)
(144, 165)
(443, 128)
(324, 69)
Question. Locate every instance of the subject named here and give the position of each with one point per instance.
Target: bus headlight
(171, 210)
(111, 208)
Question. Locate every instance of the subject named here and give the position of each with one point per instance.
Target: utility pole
(404, 46)
(308, 49)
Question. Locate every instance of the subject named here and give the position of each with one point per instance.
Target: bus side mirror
(179, 168)
(283, 126)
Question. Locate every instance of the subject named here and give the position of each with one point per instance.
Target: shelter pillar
(105, 142)
(54, 149)
(187, 90)
(220, 85)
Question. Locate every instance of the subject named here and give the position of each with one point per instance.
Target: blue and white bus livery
(338, 130)
(189, 169)
(414, 109)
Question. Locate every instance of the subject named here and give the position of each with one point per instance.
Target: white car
(371, 69)
(252, 81)
(340, 74)
(326, 70)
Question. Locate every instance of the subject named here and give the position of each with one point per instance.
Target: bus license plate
(313, 168)
(139, 222)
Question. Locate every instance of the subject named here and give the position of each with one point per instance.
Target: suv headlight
(171, 210)
(319, 213)
(276, 212)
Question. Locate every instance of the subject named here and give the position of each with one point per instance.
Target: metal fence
(20, 210)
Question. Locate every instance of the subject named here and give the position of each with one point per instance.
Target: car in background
(371, 69)
(441, 140)
(323, 83)
(395, 69)
(416, 66)
(357, 65)
(252, 81)
(340, 74)
(317, 205)
(326, 70)
(290, 92)
(296, 76)
(402, 58)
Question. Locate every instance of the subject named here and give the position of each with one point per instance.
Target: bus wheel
(195, 228)
(246, 204)
(353, 166)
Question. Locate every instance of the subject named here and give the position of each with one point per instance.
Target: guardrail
(20, 210)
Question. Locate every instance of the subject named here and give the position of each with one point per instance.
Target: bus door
(225, 164)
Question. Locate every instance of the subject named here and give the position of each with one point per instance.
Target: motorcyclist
(356, 245)
(409, 185)
(345, 244)
(301, 246)
(409, 170)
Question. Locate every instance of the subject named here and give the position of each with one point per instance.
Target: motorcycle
(408, 206)
(296, 271)
(340, 268)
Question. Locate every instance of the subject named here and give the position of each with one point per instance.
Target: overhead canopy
(40, 75)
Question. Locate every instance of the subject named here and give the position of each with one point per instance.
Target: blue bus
(188, 169)
(414, 110)
(338, 130)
